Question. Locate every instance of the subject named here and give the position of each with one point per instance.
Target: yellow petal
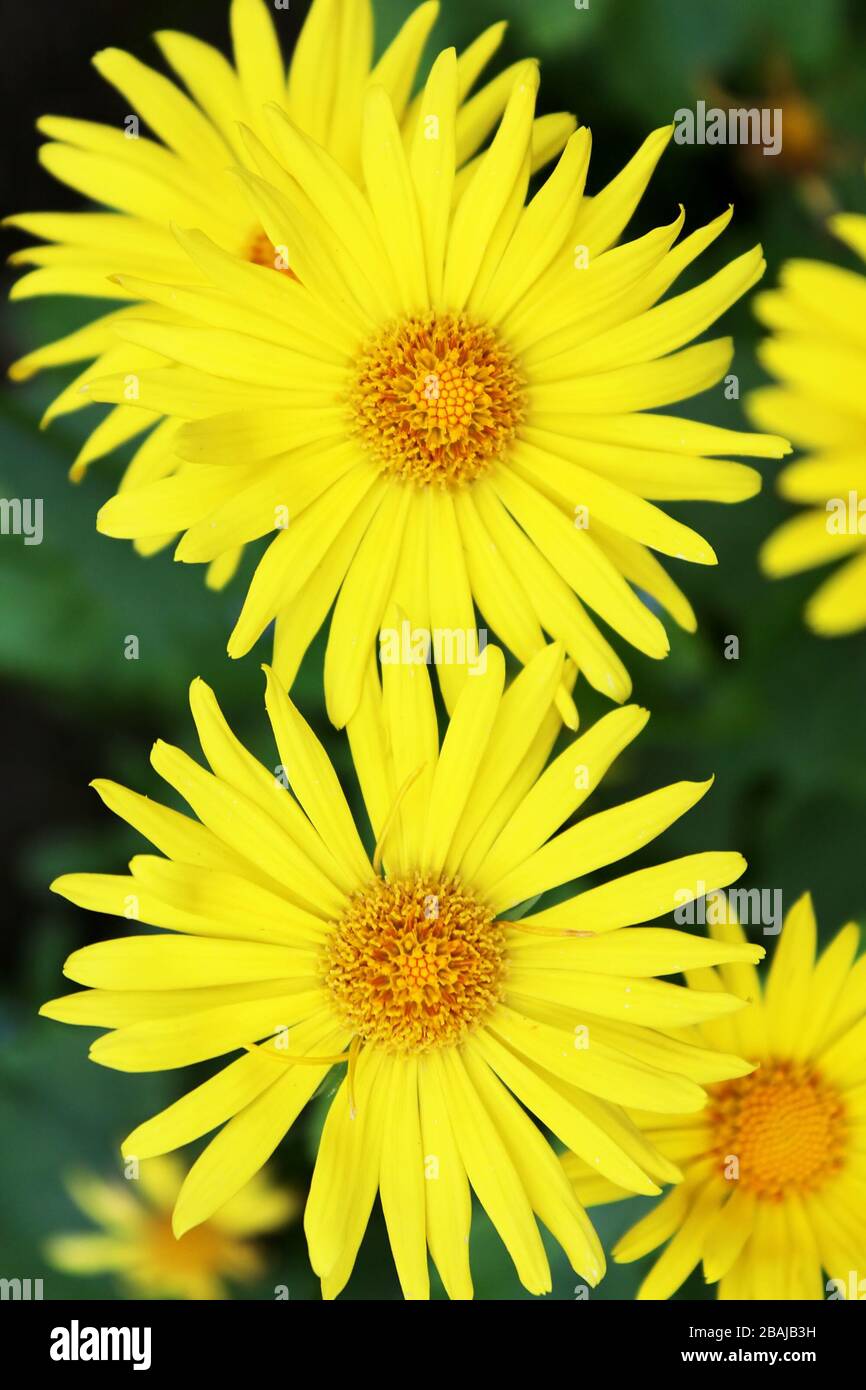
(258, 59)
(432, 164)
(463, 750)
(480, 206)
(243, 1146)
(603, 218)
(314, 781)
(449, 1202)
(640, 897)
(361, 602)
(598, 840)
(559, 791)
(346, 1175)
(402, 1180)
(550, 1194)
(575, 555)
(492, 1173)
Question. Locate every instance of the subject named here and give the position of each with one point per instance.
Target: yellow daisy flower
(183, 175)
(288, 942)
(137, 1244)
(775, 1166)
(453, 406)
(818, 353)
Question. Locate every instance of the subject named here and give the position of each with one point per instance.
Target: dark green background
(783, 728)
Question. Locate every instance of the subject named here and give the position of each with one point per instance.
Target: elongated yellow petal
(239, 820)
(395, 70)
(497, 589)
(838, 606)
(546, 1186)
(831, 975)
(312, 85)
(412, 737)
(341, 203)
(640, 897)
(314, 781)
(600, 839)
(180, 962)
(480, 206)
(243, 1146)
(805, 541)
(684, 1251)
(525, 761)
(432, 164)
(402, 1180)
(162, 1044)
(603, 218)
(177, 836)
(346, 1176)
(581, 490)
(492, 1173)
(257, 52)
(451, 607)
(602, 1070)
(460, 757)
(205, 1107)
(521, 711)
(575, 555)
(728, 1234)
(292, 557)
(542, 228)
(655, 1228)
(559, 791)
(554, 604)
(392, 197)
(90, 1254)
(649, 1002)
(175, 119)
(361, 603)
(599, 1133)
(210, 79)
(449, 1202)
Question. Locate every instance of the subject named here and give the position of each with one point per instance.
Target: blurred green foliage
(783, 727)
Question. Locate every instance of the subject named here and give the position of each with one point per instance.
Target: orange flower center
(205, 1250)
(781, 1129)
(261, 251)
(415, 963)
(437, 399)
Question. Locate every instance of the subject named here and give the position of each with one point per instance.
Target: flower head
(773, 1168)
(453, 405)
(181, 173)
(136, 1242)
(818, 353)
(287, 944)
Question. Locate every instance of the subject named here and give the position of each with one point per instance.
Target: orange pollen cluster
(437, 399)
(784, 1127)
(415, 963)
(203, 1250)
(262, 252)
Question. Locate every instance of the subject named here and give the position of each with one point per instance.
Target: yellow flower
(137, 1243)
(818, 354)
(287, 942)
(775, 1168)
(186, 178)
(454, 407)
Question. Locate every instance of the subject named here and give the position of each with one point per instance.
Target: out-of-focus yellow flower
(137, 1244)
(817, 352)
